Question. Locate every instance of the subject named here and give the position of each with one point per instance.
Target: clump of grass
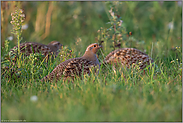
(177, 62)
(64, 54)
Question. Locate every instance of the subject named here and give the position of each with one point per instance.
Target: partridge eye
(94, 45)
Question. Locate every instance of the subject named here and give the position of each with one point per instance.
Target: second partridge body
(33, 47)
(128, 56)
(76, 66)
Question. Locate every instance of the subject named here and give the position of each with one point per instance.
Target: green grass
(120, 95)
(109, 98)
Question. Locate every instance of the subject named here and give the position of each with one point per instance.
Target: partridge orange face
(93, 47)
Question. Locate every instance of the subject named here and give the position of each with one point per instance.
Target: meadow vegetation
(121, 95)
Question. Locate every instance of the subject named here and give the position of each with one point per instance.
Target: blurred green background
(71, 22)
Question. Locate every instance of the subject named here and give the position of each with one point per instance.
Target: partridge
(127, 57)
(32, 47)
(76, 66)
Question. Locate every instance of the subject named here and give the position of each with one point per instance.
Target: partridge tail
(46, 78)
(49, 77)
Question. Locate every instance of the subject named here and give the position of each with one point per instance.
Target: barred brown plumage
(128, 56)
(76, 66)
(33, 47)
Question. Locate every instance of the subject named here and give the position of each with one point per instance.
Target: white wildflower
(170, 25)
(10, 38)
(34, 98)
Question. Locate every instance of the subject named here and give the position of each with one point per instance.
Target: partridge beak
(100, 46)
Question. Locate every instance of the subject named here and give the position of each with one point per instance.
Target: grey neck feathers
(91, 56)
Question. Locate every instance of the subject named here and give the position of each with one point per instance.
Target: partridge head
(76, 66)
(90, 53)
(55, 46)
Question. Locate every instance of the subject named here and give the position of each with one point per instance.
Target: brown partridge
(32, 47)
(76, 66)
(127, 57)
